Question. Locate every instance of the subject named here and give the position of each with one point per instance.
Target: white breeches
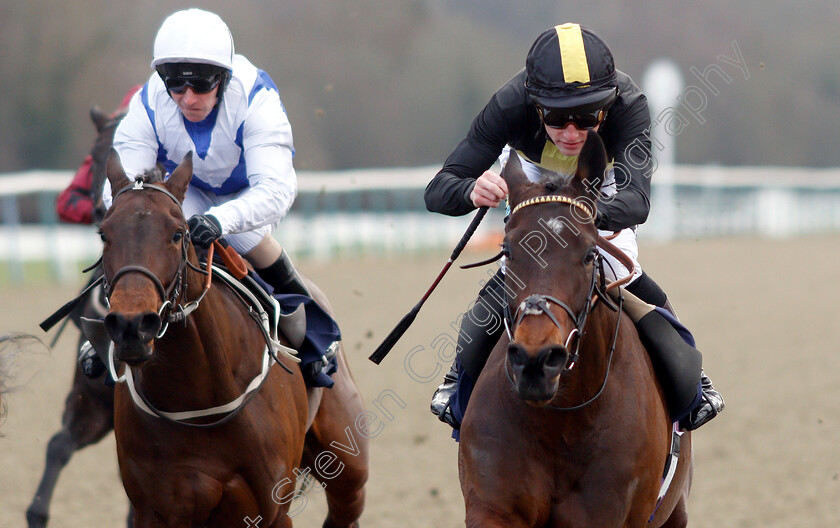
(626, 242)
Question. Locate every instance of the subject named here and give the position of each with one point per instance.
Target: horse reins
(169, 296)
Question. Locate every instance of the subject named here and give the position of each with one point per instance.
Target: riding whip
(398, 331)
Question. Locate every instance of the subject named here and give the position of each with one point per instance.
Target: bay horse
(106, 128)
(568, 426)
(228, 472)
(88, 414)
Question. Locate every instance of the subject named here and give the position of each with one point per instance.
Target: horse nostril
(517, 354)
(556, 356)
(148, 326)
(116, 325)
(143, 327)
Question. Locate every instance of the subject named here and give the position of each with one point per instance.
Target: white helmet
(194, 35)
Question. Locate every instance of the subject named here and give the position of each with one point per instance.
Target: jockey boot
(92, 365)
(646, 289)
(711, 404)
(440, 401)
(480, 330)
(283, 277)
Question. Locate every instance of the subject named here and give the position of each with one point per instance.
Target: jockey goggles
(202, 78)
(560, 117)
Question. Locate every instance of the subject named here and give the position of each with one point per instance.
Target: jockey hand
(204, 229)
(489, 190)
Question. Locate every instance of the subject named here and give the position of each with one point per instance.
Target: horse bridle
(169, 297)
(170, 311)
(537, 304)
(540, 304)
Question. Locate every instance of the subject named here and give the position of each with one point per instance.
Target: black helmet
(569, 66)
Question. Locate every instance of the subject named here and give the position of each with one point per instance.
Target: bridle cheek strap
(169, 295)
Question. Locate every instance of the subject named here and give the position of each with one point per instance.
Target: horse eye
(177, 237)
(590, 256)
(102, 237)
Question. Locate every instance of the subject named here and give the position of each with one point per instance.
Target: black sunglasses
(560, 117)
(200, 85)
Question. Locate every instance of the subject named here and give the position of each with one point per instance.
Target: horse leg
(87, 418)
(59, 451)
(337, 451)
(485, 518)
(679, 517)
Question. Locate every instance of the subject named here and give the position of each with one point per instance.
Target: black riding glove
(204, 229)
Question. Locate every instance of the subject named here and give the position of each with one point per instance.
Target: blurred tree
(397, 82)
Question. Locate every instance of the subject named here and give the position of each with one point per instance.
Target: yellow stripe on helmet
(572, 53)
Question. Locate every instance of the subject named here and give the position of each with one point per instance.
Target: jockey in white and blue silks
(205, 99)
(242, 152)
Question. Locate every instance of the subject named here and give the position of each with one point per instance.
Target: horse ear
(98, 117)
(592, 165)
(179, 180)
(515, 178)
(115, 172)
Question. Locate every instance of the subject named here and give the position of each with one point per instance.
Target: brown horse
(232, 471)
(88, 414)
(106, 127)
(568, 425)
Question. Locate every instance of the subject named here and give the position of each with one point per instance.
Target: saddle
(291, 325)
(303, 322)
(670, 345)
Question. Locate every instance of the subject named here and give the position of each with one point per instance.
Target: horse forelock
(153, 175)
(551, 236)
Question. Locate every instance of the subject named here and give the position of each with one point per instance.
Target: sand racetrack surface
(765, 314)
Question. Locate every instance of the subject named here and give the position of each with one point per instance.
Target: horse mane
(560, 186)
(153, 175)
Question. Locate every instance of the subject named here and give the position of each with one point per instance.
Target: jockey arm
(456, 188)
(135, 141)
(268, 150)
(628, 144)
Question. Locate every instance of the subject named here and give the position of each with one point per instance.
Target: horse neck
(587, 376)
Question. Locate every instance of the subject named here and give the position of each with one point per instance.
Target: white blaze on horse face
(556, 226)
(537, 241)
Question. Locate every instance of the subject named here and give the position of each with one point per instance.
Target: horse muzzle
(536, 376)
(133, 336)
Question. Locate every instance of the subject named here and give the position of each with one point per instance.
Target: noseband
(170, 294)
(538, 304)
